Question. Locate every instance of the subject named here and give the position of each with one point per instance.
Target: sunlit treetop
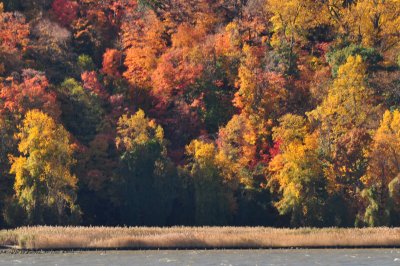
(137, 130)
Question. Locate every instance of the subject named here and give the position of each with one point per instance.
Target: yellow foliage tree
(43, 178)
(297, 173)
(291, 128)
(344, 119)
(382, 179)
(146, 178)
(261, 93)
(228, 47)
(261, 98)
(291, 18)
(375, 23)
(237, 150)
(348, 104)
(137, 130)
(213, 195)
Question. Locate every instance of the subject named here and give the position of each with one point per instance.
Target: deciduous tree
(348, 104)
(112, 61)
(65, 11)
(375, 23)
(344, 118)
(14, 31)
(147, 177)
(29, 91)
(143, 43)
(44, 183)
(382, 177)
(297, 173)
(214, 201)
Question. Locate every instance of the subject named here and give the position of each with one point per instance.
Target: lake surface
(212, 257)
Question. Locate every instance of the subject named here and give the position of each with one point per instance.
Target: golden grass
(44, 237)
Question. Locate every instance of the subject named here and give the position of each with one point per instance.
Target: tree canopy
(200, 112)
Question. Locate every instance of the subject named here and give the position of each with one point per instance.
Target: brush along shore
(104, 238)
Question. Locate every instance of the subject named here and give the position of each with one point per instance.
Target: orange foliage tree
(143, 43)
(175, 73)
(112, 61)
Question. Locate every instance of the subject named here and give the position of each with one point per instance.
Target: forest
(200, 112)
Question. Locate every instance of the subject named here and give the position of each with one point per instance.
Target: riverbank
(114, 238)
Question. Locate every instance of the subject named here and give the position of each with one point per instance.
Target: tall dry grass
(195, 237)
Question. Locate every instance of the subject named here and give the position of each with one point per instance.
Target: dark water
(218, 257)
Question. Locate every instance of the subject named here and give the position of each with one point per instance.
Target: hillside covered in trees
(200, 112)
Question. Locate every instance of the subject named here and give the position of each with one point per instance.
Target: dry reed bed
(195, 237)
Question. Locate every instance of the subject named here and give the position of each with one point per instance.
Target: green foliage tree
(82, 111)
(85, 63)
(336, 57)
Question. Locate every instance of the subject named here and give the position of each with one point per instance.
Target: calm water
(217, 257)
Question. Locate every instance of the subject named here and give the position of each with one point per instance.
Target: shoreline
(101, 239)
(84, 250)
(10, 251)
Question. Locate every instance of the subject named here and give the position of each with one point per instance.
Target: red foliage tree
(31, 92)
(66, 11)
(91, 83)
